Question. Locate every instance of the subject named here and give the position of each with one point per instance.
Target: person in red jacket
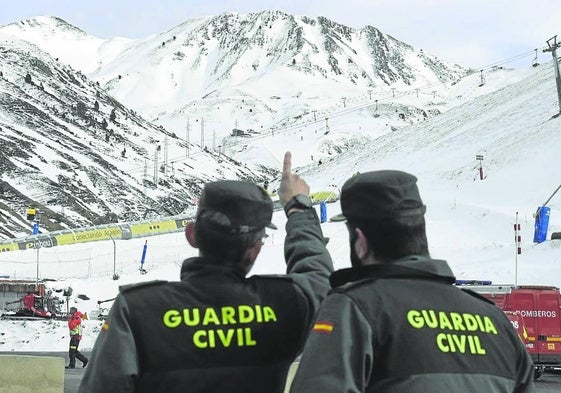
(33, 306)
(75, 327)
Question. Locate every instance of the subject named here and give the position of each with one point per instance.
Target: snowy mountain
(256, 69)
(81, 157)
(75, 143)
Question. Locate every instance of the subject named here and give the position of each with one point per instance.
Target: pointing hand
(291, 184)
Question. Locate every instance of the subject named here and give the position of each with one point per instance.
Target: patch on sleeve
(105, 326)
(323, 327)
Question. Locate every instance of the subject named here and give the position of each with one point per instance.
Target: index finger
(287, 164)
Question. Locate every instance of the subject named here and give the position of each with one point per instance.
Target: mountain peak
(44, 23)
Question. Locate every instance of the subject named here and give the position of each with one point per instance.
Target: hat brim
(271, 226)
(338, 218)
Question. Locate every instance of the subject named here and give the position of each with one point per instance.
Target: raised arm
(308, 261)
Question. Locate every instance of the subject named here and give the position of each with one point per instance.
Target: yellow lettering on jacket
(222, 320)
(210, 317)
(450, 321)
(225, 315)
(172, 318)
(451, 339)
(239, 337)
(460, 343)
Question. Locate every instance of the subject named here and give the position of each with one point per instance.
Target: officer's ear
(190, 235)
(253, 251)
(250, 256)
(361, 244)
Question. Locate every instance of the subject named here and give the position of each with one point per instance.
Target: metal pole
(156, 169)
(166, 156)
(555, 192)
(479, 157)
(114, 257)
(37, 246)
(187, 140)
(553, 45)
(538, 211)
(142, 271)
(203, 133)
(557, 76)
(516, 239)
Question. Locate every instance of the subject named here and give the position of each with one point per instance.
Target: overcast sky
(474, 33)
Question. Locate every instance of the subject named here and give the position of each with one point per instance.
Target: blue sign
(323, 211)
(541, 224)
(36, 228)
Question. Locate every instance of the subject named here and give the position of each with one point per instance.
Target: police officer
(394, 321)
(217, 330)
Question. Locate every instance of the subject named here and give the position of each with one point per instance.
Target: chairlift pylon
(482, 79)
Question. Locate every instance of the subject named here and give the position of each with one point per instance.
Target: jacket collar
(414, 266)
(198, 266)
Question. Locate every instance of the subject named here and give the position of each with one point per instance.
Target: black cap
(73, 310)
(236, 206)
(380, 195)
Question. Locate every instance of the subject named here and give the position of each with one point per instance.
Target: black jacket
(215, 330)
(405, 328)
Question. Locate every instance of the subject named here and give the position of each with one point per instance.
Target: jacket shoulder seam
(135, 286)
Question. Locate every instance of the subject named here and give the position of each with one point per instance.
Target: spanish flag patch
(323, 327)
(105, 326)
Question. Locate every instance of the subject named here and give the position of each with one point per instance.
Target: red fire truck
(540, 309)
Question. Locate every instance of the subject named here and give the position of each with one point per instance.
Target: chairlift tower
(202, 133)
(479, 157)
(166, 156)
(187, 139)
(553, 45)
(156, 151)
(145, 177)
(214, 139)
